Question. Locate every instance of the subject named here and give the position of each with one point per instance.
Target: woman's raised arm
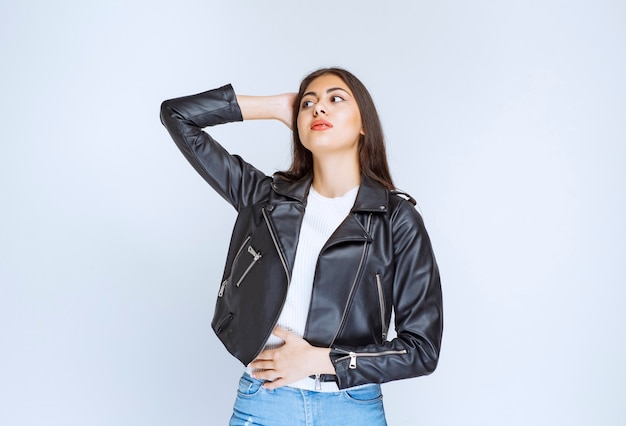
(186, 117)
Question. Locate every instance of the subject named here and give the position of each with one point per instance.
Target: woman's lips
(321, 125)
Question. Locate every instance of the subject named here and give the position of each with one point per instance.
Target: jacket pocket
(245, 259)
(381, 303)
(221, 325)
(250, 263)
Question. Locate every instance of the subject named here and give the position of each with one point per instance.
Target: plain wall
(505, 120)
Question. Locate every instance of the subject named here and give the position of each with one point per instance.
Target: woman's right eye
(307, 104)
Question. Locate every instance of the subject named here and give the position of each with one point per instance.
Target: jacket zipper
(356, 278)
(225, 282)
(354, 355)
(278, 250)
(381, 301)
(255, 257)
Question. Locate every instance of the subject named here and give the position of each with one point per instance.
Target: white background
(505, 119)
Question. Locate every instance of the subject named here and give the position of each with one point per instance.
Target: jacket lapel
(286, 217)
(350, 230)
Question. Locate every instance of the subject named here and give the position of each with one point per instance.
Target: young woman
(319, 257)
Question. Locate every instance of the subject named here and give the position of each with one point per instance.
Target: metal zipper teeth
(356, 277)
(257, 256)
(241, 248)
(381, 300)
(225, 282)
(280, 253)
(352, 356)
(370, 354)
(222, 288)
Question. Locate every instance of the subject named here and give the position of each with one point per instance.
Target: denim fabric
(257, 406)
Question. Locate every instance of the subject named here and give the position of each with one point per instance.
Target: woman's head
(371, 144)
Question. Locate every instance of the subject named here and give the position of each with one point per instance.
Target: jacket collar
(372, 196)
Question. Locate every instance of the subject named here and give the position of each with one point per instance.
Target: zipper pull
(222, 288)
(352, 356)
(318, 382)
(254, 253)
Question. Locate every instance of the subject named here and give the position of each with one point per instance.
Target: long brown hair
(372, 154)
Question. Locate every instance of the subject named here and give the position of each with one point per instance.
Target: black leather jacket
(378, 259)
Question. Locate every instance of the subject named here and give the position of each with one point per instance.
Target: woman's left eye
(336, 98)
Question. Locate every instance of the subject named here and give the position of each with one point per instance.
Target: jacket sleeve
(417, 303)
(184, 118)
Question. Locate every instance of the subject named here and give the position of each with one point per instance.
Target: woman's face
(329, 120)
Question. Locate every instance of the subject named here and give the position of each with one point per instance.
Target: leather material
(380, 258)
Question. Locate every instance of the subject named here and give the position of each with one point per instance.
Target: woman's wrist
(276, 107)
(323, 364)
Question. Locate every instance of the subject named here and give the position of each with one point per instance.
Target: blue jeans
(257, 406)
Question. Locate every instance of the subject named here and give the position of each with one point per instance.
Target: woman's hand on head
(293, 361)
(278, 107)
(288, 101)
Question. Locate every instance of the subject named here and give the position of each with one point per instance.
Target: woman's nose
(319, 109)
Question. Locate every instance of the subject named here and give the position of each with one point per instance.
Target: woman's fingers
(275, 384)
(262, 365)
(271, 378)
(267, 354)
(294, 360)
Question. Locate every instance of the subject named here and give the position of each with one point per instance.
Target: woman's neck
(334, 177)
